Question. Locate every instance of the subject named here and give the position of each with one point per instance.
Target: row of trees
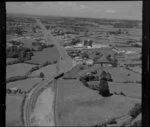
(13, 42)
(104, 77)
(20, 53)
(23, 53)
(85, 55)
(93, 76)
(18, 30)
(124, 25)
(75, 41)
(103, 84)
(17, 91)
(119, 32)
(88, 43)
(97, 55)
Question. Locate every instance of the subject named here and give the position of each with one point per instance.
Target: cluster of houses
(79, 60)
(82, 45)
(102, 61)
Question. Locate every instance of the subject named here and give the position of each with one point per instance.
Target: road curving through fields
(64, 64)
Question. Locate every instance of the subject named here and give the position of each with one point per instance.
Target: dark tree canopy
(103, 75)
(108, 77)
(104, 88)
(75, 41)
(115, 62)
(41, 75)
(85, 55)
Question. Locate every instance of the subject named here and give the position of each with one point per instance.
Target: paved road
(64, 64)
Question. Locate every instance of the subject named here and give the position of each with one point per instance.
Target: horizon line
(71, 16)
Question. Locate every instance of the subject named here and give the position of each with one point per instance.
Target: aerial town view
(74, 64)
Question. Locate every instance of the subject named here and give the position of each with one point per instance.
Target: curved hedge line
(13, 62)
(16, 78)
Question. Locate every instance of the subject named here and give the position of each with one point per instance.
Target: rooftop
(103, 59)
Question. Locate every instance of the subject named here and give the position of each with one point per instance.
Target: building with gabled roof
(104, 62)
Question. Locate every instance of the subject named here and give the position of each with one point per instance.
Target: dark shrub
(94, 72)
(16, 78)
(34, 68)
(46, 63)
(91, 78)
(121, 93)
(41, 75)
(81, 68)
(103, 75)
(85, 55)
(96, 78)
(55, 61)
(101, 125)
(128, 74)
(112, 121)
(104, 88)
(33, 49)
(135, 111)
(115, 62)
(138, 82)
(108, 77)
(51, 45)
(84, 78)
(85, 83)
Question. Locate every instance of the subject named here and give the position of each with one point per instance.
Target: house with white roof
(89, 62)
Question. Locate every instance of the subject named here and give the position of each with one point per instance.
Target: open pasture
(19, 69)
(47, 70)
(13, 110)
(24, 85)
(47, 54)
(78, 105)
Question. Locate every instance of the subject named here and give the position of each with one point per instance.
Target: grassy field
(47, 70)
(129, 89)
(47, 54)
(121, 75)
(135, 31)
(10, 60)
(137, 69)
(78, 105)
(13, 110)
(24, 85)
(17, 69)
(133, 57)
(74, 72)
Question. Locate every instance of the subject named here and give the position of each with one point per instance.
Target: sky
(102, 9)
